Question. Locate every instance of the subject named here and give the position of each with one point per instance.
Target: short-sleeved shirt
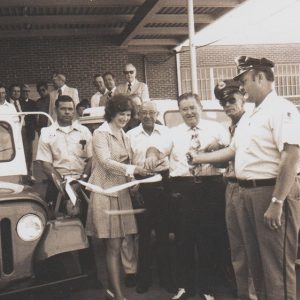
(208, 131)
(7, 108)
(140, 141)
(67, 151)
(260, 137)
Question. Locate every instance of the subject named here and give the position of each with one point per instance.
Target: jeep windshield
(7, 151)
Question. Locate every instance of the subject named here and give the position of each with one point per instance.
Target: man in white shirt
(110, 84)
(5, 106)
(59, 82)
(132, 85)
(101, 90)
(155, 197)
(266, 151)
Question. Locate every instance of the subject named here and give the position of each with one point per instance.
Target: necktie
(195, 146)
(59, 92)
(18, 109)
(109, 94)
(129, 88)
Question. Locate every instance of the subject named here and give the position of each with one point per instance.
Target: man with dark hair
(59, 83)
(266, 151)
(200, 204)
(65, 147)
(42, 104)
(5, 106)
(101, 90)
(110, 83)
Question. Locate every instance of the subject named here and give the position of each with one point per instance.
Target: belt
(196, 179)
(256, 182)
(231, 179)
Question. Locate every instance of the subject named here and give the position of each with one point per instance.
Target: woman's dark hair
(116, 104)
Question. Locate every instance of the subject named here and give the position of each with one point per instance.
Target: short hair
(108, 73)
(267, 71)
(118, 103)
(189, 95)
(97, 75)
(14, 85)
(40, 84)
(60, 75)
(83, 103)
(130, 64)
(63, 98)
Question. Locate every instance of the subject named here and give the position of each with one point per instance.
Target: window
(287, 79)
(7, 150)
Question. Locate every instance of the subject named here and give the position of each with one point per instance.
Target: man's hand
(194, 157)
(213, 146)
(272, 216)
(142, 171)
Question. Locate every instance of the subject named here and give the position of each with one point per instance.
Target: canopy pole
(193, 59)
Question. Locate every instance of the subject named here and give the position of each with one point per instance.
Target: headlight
(30, 227)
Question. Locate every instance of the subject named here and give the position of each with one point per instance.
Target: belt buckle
(197, 179)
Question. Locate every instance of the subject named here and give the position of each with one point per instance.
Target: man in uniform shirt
(132, 85)
(64, 148)
(266, 150)
(200, 199)
(101, 90)
(59, 82)
(232, 100)
(155, 197)
(110, 84)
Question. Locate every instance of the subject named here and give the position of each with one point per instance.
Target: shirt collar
(188, 128)
(106, 128)
(266, 103)
(133, 82)
(141, 130)
(75, 125)
(6, 103)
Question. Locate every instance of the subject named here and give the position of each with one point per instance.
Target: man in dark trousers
(28, 130)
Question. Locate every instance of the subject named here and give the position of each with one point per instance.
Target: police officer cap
(226, 88)
(246, 63)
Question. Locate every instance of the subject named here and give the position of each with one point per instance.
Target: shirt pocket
(78, 146)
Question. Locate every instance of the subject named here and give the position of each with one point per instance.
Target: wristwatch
(84, 176)
(275, 200)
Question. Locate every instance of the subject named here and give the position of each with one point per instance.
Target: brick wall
(224, 55)
(31, 60)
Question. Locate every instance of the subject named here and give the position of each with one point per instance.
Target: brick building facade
(31, 60)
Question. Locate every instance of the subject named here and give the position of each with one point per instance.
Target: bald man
(59, 82)
(132, 85)
(155, 197)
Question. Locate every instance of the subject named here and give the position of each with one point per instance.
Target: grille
(7, 261)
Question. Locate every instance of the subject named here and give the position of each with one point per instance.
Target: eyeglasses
(229, 100)
(145, 113)
(128, 72)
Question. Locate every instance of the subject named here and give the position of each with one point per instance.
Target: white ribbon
(124, 211)
(98, 189)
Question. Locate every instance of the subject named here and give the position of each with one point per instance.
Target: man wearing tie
(199, 199)
(59, 82)
(110, 83)
(132, 85)
(101, 90)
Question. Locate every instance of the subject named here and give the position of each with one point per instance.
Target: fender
(61, 235)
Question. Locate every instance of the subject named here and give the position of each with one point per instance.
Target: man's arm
(219, 156)
(51, 171)
(285, 179)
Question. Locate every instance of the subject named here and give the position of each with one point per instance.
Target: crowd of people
(239, 225)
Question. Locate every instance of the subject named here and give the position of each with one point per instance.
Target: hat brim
(237, 77)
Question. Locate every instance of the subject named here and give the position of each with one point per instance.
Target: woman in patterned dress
(110, 167)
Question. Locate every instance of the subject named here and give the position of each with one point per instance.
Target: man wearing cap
(132, 85)
(232, 100)
(266, 150)
(59, 83)
(101, 90)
